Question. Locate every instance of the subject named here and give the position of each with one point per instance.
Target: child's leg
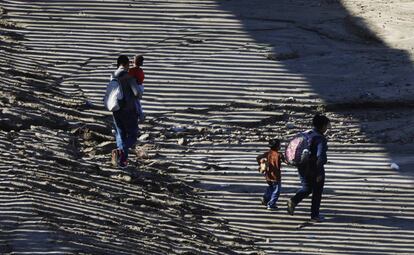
(275, 194)
(139, 110)
(267, 194)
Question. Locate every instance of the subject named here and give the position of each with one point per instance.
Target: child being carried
(138, 74)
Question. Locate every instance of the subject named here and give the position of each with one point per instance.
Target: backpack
(113, 95)
(298, 149)
(129, 100)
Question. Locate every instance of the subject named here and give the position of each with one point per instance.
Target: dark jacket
(318, 157)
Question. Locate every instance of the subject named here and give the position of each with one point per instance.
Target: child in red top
(274, 159)
(138, 74)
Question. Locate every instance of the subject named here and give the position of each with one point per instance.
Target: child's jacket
(138, 74)
(274, 159)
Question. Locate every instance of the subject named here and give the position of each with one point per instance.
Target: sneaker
(264, 202)
(271, 208)
(123, 164)
(290, 207)
(122, 161)
(115, 157)
(318, 218)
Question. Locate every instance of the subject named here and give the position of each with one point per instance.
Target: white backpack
(112, 95)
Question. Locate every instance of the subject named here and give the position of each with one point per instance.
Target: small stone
(126, 178)
(89, 104)
(141, 154)
(144, 137)
(182, 141)
(290, 99)
(178, 129)
(290, 125)
(394, 166)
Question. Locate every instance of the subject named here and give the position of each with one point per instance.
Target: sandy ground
(222, 77)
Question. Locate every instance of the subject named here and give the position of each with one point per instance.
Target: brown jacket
(274, 159)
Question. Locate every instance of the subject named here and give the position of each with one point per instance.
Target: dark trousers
(126, 129)
(309, 185)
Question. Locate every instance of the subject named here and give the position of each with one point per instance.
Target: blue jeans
(126, 129)
(139, 110)
(309, 185)
(272, 193)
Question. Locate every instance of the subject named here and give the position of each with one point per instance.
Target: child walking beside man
(270, 162)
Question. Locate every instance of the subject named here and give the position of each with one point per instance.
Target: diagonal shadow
(347, 65)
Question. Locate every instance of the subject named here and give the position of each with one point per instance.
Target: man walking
(126, 118)
(312, 173)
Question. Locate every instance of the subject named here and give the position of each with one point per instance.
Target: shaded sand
(222, 77)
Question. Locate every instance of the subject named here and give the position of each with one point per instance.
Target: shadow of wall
(351, 69)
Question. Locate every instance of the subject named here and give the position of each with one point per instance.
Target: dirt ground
(222, 77)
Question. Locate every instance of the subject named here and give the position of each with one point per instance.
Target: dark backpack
(298, 150)
(128, 102)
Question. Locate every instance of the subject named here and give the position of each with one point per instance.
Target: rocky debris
(290, 99)
(142, 152)
(395, 166)
(105, 147)
(290, 125)
(144, 137)
(182, 141)
(215, 167)
(9, 30)
(2, 11)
